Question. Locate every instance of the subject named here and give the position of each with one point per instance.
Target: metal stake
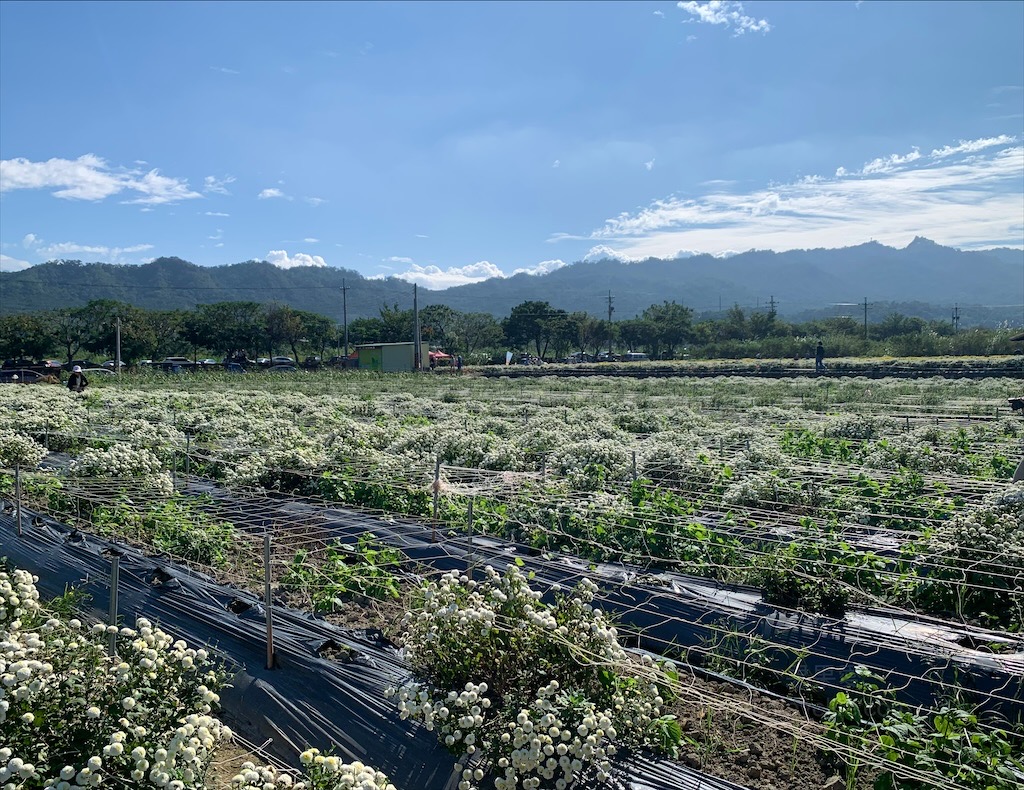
(17, 498)
(267, 603)
(470, 559)
(188, 449)
(115, 576)
(634, 466)
(437, 492)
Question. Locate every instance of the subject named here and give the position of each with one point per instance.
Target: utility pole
(866, 306)
(417, 363)
(771, 305)
(344, 314)
(610, 311)
(117, 345)
(956, 318)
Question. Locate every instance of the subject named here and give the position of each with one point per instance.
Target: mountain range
(797, 282)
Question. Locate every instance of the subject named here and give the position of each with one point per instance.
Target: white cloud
(422, 236)
(544, 267)
(224, 70)
(724, 12)
(557, 163)
(311, 240)
(90, 178)
(398, 259)
(215, 214)
(29, 240)
(437, 279)
(970, 198)
(886, 164)
(9, 264)
(660, 13)
(272, 192)
(649, 165)
(315, 201)
(282, 260)
(217, 185)
(109, 254)
(602, 251)
(220, 235)
(970, 146)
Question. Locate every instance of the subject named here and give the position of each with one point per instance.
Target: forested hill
(799, 280)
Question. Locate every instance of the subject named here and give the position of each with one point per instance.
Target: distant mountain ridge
(797, 280)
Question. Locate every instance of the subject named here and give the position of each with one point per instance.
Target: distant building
(391, 357)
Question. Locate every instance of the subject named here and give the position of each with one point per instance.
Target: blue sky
(448, 142)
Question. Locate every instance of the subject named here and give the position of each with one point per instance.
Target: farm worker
(819, 357)
(77, 381)
(458, 363)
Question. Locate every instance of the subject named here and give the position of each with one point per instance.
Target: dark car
(19, 376)
(283, 369)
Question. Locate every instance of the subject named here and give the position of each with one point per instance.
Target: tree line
(663, 331)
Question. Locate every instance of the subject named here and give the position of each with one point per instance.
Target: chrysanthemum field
(779, 583)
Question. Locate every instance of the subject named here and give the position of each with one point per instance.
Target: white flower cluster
(18, 449)
(856, 426)
(763, 489)
(678, 460)
(49, 413)
(123, 462)
(538, 694)
(73, 718)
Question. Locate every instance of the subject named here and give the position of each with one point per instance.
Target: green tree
(70, 327)
(474, 332)
(227, 327)
(284, 323)
(396, 325)
(26, 335)
(531, 322)
(437, 324)
(671, 324)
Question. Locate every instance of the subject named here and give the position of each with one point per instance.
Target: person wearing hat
(77, 381)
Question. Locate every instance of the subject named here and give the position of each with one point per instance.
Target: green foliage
(951, 746)
(341, 571)
(174, 526)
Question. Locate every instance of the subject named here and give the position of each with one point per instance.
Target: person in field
(77, 382)
(819, 357)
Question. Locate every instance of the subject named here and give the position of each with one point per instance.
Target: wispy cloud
(315, 201)
(64, 249)
(90, 178)
(215, 214)
(272, 192)
(660, 13)
(311, 240)
(224, 70)
(967, 195)
(29, 240)
(557, 163)
(649, 164)
(544, 267)
(435, 278)
(283, 260)
(218, 237)
(212, 184)
(422, 236)
(9, 264)
(724, 12)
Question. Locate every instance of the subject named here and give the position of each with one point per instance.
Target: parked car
(283, 369)
(19, 376)
(282, 361)
(234, 367)
(208, 362)
(110, 364)
(634, 356)
(53, 364)
(101, 372)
